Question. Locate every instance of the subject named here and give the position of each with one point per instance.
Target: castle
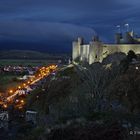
(96, 50)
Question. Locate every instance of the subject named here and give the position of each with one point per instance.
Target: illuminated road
(17, 91)
(42, 72)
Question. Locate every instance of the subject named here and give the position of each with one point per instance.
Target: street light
(22, 101)
(11, 91)
(5, 106)
(24, 84)
(137, 68)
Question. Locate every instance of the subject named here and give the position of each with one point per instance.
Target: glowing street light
(17, 100)
(11, 91)
(24, 84)
(22, 101)
(137, 68)
(5, 106)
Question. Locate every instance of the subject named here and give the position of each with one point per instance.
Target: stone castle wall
(112, 48)
(95, 51)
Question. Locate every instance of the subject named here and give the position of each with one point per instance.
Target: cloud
(61, 21)
(43, 31)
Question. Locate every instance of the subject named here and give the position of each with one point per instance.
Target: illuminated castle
(95, 51)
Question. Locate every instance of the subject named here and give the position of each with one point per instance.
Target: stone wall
(96, 51)
(112, 48)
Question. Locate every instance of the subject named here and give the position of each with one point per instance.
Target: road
(42, 72)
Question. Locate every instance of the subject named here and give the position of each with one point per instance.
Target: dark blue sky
(52, 25)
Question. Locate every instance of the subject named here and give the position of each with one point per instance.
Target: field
(7, 81)
(27, 57)
(23, 62)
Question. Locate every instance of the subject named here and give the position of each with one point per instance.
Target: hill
(26, 54)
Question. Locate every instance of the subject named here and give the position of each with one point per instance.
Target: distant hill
(27, 54)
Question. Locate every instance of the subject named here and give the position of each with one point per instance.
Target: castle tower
(95, 51)
(80, 40)
(118, 38)
(76, 49)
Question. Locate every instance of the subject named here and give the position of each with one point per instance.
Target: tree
(124, 65)
(126, 89)
(114, 58)
(97, 79)
(130, 55)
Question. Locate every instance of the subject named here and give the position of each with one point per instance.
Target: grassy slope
(6, 82)
(26, 57)
(13, 62)
(27, 54)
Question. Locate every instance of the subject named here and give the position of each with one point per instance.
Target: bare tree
(97, 78)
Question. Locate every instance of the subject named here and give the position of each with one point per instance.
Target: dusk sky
(52, 25)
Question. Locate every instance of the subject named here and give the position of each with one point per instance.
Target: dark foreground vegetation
(82, 102)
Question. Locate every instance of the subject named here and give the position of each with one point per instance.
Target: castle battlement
(95, 51)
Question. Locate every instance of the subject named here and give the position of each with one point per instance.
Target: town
(16, 95)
